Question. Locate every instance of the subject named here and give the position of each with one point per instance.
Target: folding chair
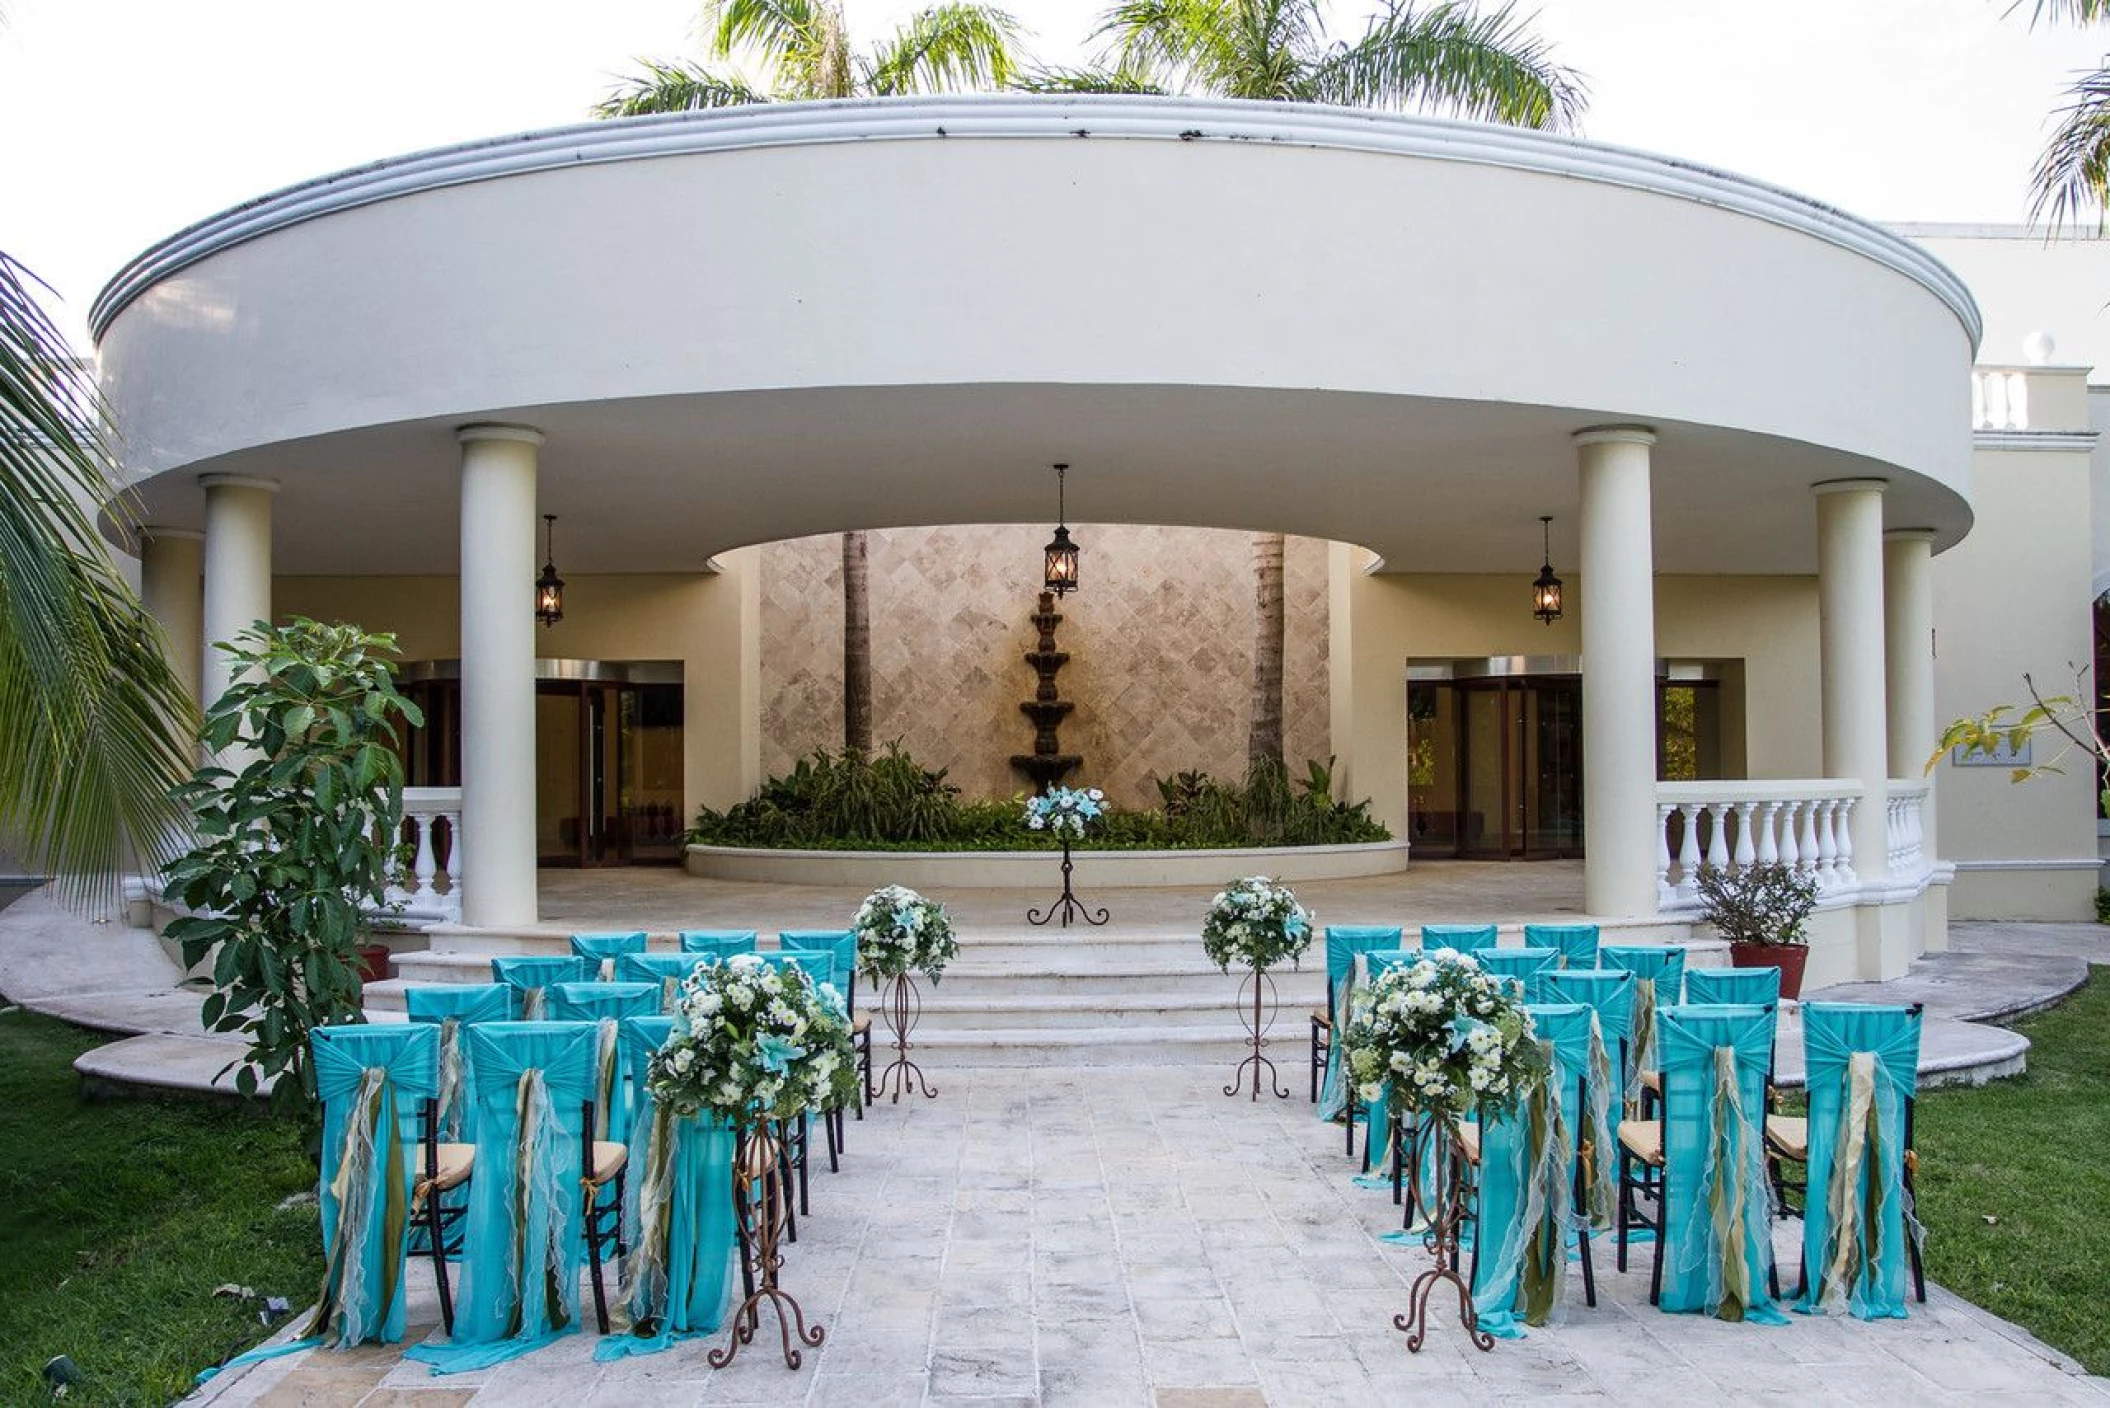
(718, 943)
(665, 970)
(1527, 967)
(1734, 987)
(1859, 1232)
(604, 949)
(534, 1205)
(843, 944)
(1659, 982)
(1343, 943)
(1472, 939)
(1713, 1217)
(528, 975)
(452, 1007)
(1577, 942)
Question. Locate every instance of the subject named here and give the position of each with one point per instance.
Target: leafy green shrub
(1767, 903)
(847, 801)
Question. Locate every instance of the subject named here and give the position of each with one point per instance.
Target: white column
(1618, 604)
(498, 674)
(171, 587)
(1908, 645)
(237, 571)
(1852, 660)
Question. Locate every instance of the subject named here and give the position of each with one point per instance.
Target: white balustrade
(1729, 825)
(431, 890)
(1999, 399)
(1906, 827)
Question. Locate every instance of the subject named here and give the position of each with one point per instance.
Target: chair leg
(594, 1236)
(616, 1211)
(1399, 1165)
(1589, 1272)
(805, 1159)
(1623, 1208)
(1318, 1062)
(1655, 1276)
(439, 1260)
(1352, 1108)
(784, 1166)
(828, 1118)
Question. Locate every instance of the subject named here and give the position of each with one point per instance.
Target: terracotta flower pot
(373, 963)
(1790, 959)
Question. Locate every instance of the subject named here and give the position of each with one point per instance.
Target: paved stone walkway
(1112, 1238)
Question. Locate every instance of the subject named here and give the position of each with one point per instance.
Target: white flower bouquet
(898, 930)
(754, 1042)
(1066, 812)
(1444, 1037)
(1257, 923)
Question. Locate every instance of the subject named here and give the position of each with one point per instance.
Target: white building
(1750, 416)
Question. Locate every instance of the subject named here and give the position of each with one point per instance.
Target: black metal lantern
(1060, 576)
(549, 587)
(1546, 591)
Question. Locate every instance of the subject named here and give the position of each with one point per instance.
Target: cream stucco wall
(1764, 628)
(708, 621)
(2013, 598)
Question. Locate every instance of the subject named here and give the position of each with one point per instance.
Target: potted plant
(1763, 911)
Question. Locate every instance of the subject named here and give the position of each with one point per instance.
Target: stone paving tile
(1174, 1247)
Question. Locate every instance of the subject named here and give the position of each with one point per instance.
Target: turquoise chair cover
(1528, 966)
(1343, 943)
(819, 966)
(678, 1278)
(1740, 987)
(604, 949)
(1862, 1068)
(1466, 938)
(718, 943)
(1718, 1210)
(606, 1004)
(372, 1081)
(525, 1242)
(451, 1007)
(840, 942)
(664, 970)
(1610, 993)
(1659, 982)
(529, 974)
(1577, 942)
(1527, 1191)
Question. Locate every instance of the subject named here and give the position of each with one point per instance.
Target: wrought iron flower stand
(1259, 987)
(761, 1200)
(1067, 904)
(1445, 1207)
(900, 1009)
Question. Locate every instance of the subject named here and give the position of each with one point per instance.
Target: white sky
(125, 120)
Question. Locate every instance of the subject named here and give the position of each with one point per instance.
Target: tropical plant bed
(961, 868)
(120, 1220)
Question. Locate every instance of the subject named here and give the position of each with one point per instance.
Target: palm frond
(95, 730)
(674, 87)
(802, 42)
(1269, 50)
(946, 48)
(2064, 11)
(1173, 43)
(2072, 175)
(1084, 80)
(1451, 58)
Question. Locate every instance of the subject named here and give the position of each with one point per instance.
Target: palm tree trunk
(857, 647)
(1265, 739)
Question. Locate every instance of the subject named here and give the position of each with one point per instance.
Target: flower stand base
(900, 1010)
(1445, 1203)
(1067, 904)
(1260, 989)
(761, 1198)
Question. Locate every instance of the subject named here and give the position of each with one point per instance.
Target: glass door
(1552, 772)
(1520, 769)
(1490, 823)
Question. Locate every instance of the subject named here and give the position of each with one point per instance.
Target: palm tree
(1449, 58)
(2072, 174)
(95, 729)
(805, 46)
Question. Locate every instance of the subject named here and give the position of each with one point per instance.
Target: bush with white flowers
(1444, 1037)
(1065, 812)
(1255, 922)
(754, 1042)
(899, 930)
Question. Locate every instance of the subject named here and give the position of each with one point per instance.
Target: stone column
(237, 571)
(1852, 658)
(1908, 649)
(1618, 606)
(498, 674)
(171, 571)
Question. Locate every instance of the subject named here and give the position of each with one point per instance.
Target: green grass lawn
(2014, 1183)
(117, 1219)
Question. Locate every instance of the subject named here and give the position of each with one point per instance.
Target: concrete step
(1103, 1045)
(1159, 1011)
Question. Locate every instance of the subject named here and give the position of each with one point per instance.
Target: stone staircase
(1019, 996)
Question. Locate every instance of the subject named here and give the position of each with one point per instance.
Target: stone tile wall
(1159, 634)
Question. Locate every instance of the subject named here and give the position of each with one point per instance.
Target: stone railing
(1802, 824)
(1904, 824)
(431, 890)
(1999, 399)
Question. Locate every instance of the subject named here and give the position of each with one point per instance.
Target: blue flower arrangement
(1256, 922)
(753, 1042)
(1065, 811)
(898, 929)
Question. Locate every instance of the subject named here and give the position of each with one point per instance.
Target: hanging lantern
(1546, 591)
(549, 587)
(1060, 554)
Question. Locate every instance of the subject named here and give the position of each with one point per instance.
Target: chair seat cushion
(861, 1024)
(1652, 1080)
(1789, 1137)
(1643, 1139)
(456, 1162)
(1468, 1137)
(608, 1159)
(1321, 1018)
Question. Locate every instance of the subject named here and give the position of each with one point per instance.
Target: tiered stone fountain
(1047, 764)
